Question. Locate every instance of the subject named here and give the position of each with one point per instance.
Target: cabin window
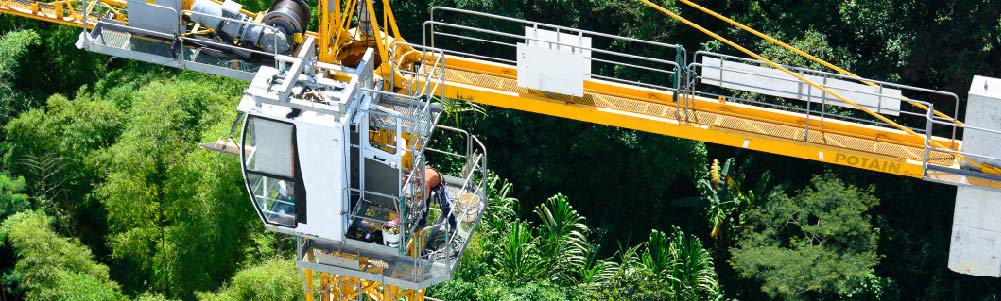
(272, 170)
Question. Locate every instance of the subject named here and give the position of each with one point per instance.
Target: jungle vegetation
(104, 195)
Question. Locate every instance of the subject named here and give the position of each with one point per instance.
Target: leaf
(562, 237)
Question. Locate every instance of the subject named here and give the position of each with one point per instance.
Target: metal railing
(181, 55)
(407, 114)
(622, 66)
(410, 204)
(968, 170)
(474, 181)
(808, 108)
(431, 60)
(940, 133)
(817, 108)
(465, 28)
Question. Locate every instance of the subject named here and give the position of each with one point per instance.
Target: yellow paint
(308, 275)
(336, 288)
(386, 138)
(674, 128)
(801, 78)
(881, 165)
(806, 55)
(868, 132)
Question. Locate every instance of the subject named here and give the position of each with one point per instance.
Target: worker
(434, 188)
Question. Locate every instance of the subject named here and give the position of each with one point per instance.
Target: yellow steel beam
(336, 288)
(671, 127)
(984, 167)
(48, 12)
(64, 13)
(806, 55)
(506, 95)
(58, 12)
(869, 132)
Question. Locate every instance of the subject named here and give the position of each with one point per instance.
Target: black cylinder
(290, 16)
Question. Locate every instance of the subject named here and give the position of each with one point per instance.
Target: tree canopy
(13, 48)
(816, 242)
(50, 267)
(273, 279)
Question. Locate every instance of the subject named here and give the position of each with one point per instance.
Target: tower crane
(336, 124)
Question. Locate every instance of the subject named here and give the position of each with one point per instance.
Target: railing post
(679, 69)
(928, 129)
(86, 14)
(431, 28)
(809, 93)
(955, 121)
(180, 37)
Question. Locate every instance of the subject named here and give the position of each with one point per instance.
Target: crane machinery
(337, 123)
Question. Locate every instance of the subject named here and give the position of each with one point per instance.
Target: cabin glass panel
(270, 159)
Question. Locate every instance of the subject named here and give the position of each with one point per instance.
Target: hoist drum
(291, 16)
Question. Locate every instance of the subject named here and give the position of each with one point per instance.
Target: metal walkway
(79, 13)
(857, 149)
(716, 99)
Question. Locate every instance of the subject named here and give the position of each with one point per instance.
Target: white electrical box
(554, 62)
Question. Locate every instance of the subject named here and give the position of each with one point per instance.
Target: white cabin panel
(322, 162)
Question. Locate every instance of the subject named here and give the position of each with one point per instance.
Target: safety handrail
(808, 56)
(437, 66)
(649, 64)
(476, 158)
(807, 81)
(594, 33)
(508, 35)
(178, 35)
(966, 127)
(841, 76)
(724, 58)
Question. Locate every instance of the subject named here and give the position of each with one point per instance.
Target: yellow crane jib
(692, 110)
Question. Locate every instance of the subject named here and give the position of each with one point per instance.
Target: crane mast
(358, 89)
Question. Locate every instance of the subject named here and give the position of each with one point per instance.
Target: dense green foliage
(13, 48)
(118, 168)
(816, 242)
(161, 194)
(273, 279)
(12, 198)
(103, 195)
(555, 260)
(53, 148)
(50, 267)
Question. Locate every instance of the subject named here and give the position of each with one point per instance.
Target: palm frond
(563, 236)
(455, 108)
(519, 261)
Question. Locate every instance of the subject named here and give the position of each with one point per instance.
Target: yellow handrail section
(750, 53)
(59, 12)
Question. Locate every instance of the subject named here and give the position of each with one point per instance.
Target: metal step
(115, 39)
